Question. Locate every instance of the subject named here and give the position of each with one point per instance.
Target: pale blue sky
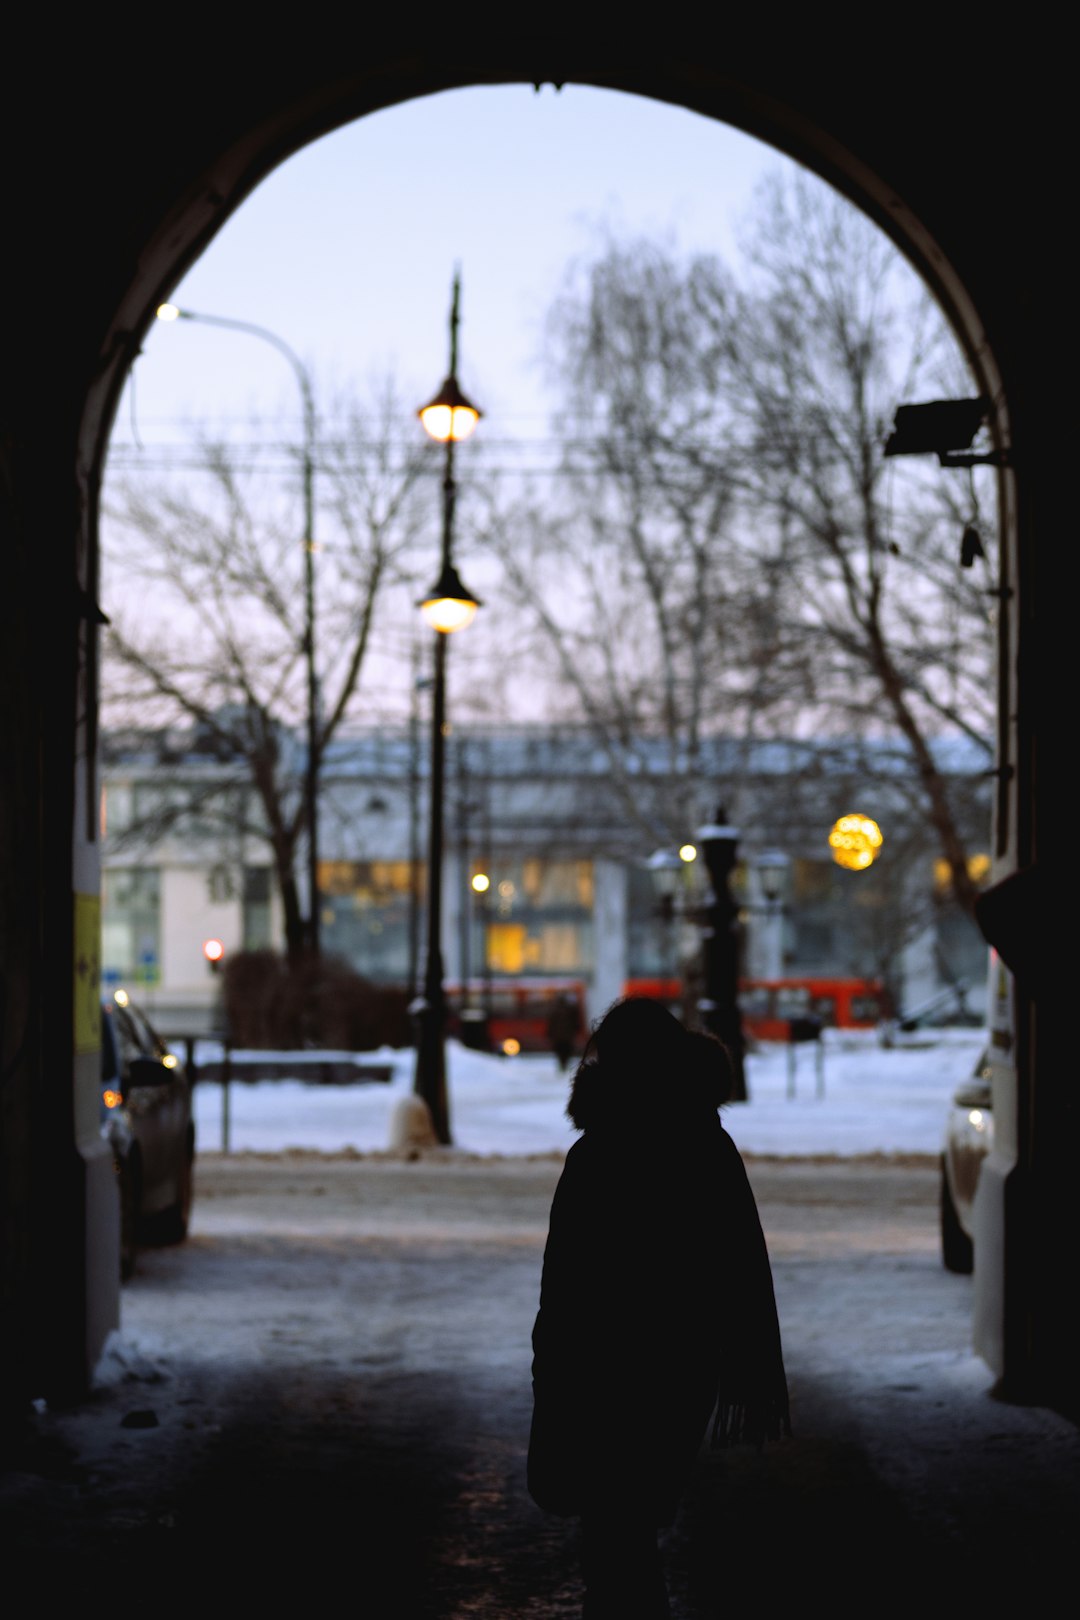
(347, 251)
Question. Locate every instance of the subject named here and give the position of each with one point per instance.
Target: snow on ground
(865, 1099)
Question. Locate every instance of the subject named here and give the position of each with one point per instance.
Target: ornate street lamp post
(448, 606)
(721, 945)
(171, 312)
(666, 870)
(771, 869)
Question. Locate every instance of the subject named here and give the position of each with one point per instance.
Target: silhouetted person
(656, 1302)
(562, 1028)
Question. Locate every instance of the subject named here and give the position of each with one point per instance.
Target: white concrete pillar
(610, 920)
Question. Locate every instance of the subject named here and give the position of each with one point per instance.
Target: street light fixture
(172, 312)
(772, 867)
(666, 870)
(449, 416)
(448, 606)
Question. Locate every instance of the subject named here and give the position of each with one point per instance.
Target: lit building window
(368, 914)
(536, 918)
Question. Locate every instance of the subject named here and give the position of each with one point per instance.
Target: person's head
(636, 1031)
(711, 1063)
(641, 1062)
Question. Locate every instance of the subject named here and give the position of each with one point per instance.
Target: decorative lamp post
(772, 869)
(447, 607)
(720, 941)
(666, 870)
(481, 892)
(171, 312)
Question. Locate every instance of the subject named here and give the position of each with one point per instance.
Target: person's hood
(650, 1099)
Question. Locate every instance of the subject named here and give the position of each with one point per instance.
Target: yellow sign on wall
(87, 975)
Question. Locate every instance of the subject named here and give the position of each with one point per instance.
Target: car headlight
(971, 1130)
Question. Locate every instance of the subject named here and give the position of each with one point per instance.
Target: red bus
(768, 1005)
(512, 1016)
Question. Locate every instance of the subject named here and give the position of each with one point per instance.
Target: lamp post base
(411, 1126)
(430, 1082)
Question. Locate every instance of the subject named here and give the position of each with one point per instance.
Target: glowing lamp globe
(448, 613)
(449, 415)
(448, 606)
(856, 842)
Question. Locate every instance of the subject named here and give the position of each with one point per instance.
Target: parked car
(146, 1116)
(969, 1137)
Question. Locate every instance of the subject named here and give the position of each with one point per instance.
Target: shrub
(271, 1003)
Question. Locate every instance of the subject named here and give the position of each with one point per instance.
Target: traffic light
(214, 951)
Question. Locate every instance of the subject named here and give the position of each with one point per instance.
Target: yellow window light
(978, 869)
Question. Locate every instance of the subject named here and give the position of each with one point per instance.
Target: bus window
(515, 1015)
(792, 1001)
(824, 1007)
(756, 1001)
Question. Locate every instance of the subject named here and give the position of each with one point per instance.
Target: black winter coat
(656, 1307)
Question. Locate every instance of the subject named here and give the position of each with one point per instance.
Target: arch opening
(241, 165)
(471, 942)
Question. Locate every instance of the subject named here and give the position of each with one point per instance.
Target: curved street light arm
(314, 743)
(282, 347)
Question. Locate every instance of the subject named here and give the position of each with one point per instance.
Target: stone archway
(160, 170)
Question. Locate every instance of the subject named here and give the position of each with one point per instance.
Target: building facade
(547, 876)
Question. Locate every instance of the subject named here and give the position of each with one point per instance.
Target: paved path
(327, 1386)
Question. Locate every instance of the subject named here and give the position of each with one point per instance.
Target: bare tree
(731, 551)
(210, 633)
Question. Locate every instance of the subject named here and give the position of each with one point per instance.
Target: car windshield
(149, 1041)
(127, 1034)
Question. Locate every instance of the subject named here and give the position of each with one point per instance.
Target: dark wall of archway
(118, 176)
